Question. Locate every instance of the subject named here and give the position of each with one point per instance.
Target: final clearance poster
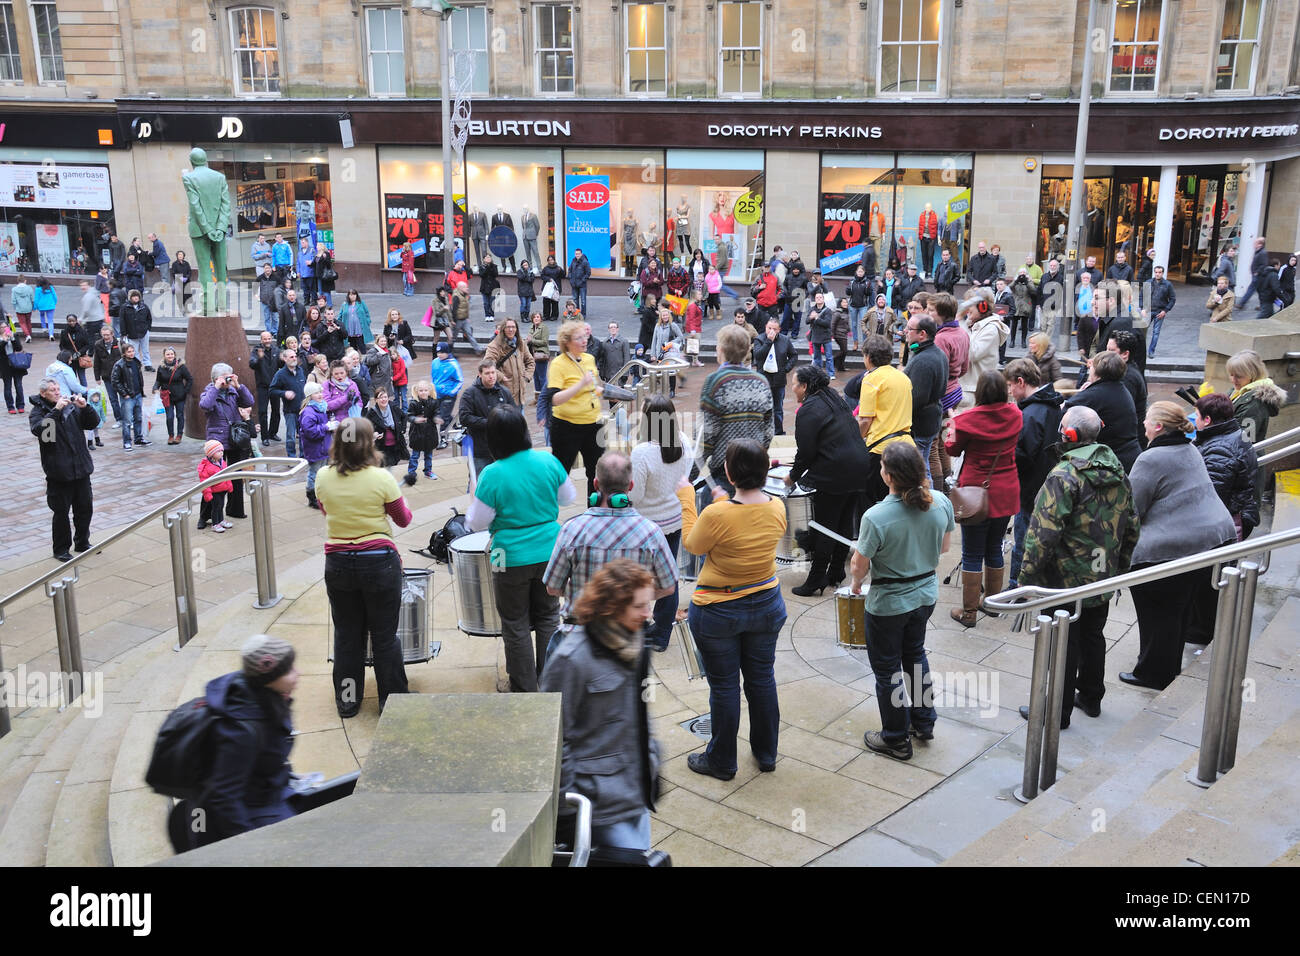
(586, 216)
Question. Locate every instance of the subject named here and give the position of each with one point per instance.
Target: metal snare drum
(850, 620)
(414, 621)
(471, 572)
(798, 512)
(691, 655)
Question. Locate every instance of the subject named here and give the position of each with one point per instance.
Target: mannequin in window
(723, 220)
(478, 232)
(650, 239)
(683, 214)
(1056, 245)
(502, 218)
(630, 247)
(531, 228)
(927, 230)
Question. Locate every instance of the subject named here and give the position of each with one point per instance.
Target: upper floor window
(469, 32)
(257, 57)
(909, 46)
(387, 55)
(740, 59)
(11, 64)
(1135, 46)
(49, 48)
(554, 46)
(645, 26)
(1239, 45)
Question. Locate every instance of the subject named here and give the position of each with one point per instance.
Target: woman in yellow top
(575, 388)
(363, 572)
(737, 611)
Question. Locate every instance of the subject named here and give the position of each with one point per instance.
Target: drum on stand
(850, 620)
(414, 621)
(798, 512)
(471, 573)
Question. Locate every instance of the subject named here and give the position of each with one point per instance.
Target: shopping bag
(428, 318)
(676, 304)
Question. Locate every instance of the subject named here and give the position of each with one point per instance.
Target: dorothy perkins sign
(1225, 132)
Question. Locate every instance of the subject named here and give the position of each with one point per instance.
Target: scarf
(317, 404)
(386, 415)
(627, 645)
(1258, 383)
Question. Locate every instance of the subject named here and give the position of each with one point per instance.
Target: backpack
(182, 754)
(439, 547)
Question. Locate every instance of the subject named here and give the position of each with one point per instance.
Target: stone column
(211, 339)
(1252, 214)
(1166, 203)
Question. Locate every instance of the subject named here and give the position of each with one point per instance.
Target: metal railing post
(263, 549)
(1041, 629)
(1249, 580)
(178, 537)
(5, 726)
(69, 640)
(1056, 689)
(1225, 629)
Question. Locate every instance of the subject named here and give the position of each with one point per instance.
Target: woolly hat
(210, 446)
(311, 388)
(266, 659)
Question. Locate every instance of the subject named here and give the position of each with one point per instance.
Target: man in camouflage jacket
(1083, 530)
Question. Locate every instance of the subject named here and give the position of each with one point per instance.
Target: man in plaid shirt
(611, 528)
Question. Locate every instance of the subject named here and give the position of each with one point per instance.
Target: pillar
(1252, 216)
(1166, 203)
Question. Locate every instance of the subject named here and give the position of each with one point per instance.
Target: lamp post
(1074, 241)
(444, 10)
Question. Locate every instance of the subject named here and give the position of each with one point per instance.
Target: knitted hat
(443, 347)
(312, 388)
(210, 446)
(266, 659)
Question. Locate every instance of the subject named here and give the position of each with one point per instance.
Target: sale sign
(418, 219)
(844, 230)
(586, 215)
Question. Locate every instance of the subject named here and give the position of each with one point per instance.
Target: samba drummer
(900, 542)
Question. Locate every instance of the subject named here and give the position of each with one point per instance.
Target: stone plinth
(211, 339)
(1273, 338)
(451, 780)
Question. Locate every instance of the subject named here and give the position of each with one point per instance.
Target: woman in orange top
(737, 611)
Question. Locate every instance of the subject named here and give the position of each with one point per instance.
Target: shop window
(11, 65)
(553, 40)
(513, 196)
(49, 47)
(54, 218)
(386, 53)
(1239, 45)
(740, 59)
(909, 46)
(257, 57)
(1135, 46)
(1054, 219)
(469, 32)
(646, 62)
(715, 204)
(411, 189)
(620, 211)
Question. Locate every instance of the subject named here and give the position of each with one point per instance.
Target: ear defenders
(615, 501)
(1069, 434)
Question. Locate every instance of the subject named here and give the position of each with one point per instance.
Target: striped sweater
(735, 403)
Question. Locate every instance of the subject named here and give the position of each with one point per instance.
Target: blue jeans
(633, 834)
(1019, 528)
(821, 355)
(739, 637)
(47, 320)
(1156, 323)
(666, 607)
(923, 446)
(312, 468)
(291, 433)
(445, 405)
(141, 348)
(580, 298)
(402, 400)
(790, 321)
(981, 544)
(270, 320)
(131, 408)
(407, 287)
(855, 323)
(539, 376)
(1241, 303)
(896, 650)
(525, 308)
(778, 409)
(415, 461)
(488, 311)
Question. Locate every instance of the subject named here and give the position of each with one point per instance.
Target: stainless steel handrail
(240, 469)
(1274, 439)
(1278, 455)
(666, 364)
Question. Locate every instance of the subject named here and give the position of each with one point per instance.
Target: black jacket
(476, 402)
(1162, 296)
(909, 287)
(1124, 273)
(287, 380)
(176, 379)
(785, 358)
(396, 452)
(927, 368)
(831, 455)
(1119, 430)
(983, 268)
(266, 286)
(292, 316)
(75, 339)
(861, 292)
(136, 319)
(1035, 452)
(945, 276)
(402, 333)
(1258, 263)
(66, 457)
(423, 436)
(116, 299)
(332, 343)
(1268, 286)
(264, 368)
(106, 357)
(556, 274)
(868, 261)
(1136, 384)
(487, 278)
(1233, 468)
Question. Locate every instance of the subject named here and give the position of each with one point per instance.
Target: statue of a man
(209, 199)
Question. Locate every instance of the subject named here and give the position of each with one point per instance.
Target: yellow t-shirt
(740, 542)
(565, 371)
(886, 396)
(354, 504)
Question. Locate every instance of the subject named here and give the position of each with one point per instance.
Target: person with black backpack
(227, 752)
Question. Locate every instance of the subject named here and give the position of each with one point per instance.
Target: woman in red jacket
(987, 434)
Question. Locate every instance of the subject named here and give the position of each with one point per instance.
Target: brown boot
(970, 599)
(993, 579)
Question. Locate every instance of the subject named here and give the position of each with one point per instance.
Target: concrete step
(1278, 643)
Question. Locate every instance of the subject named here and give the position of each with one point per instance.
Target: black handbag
(240, 436)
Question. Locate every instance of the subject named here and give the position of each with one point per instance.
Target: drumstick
(831, 534)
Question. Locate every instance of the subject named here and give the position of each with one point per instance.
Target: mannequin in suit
(531, 228)
(502, 218)
(478, 230)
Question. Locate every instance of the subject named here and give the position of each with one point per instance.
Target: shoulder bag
(970, 504)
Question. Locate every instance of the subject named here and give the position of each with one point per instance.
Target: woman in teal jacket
(354, 317)
(46, 301)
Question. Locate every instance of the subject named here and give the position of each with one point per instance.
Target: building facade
(724, 125)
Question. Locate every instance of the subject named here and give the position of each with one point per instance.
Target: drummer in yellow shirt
(575, 402)
(884, 410)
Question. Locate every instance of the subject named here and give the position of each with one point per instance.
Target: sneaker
(430, 475)
(226, 524)
(201, 525)
(922, 734)
(875, 742)
(13, 411)
(218, 529)
(143, 441)
(117, 424)
(148, 368)
(126, 446)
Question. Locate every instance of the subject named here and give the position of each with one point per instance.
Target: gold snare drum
(850, 620)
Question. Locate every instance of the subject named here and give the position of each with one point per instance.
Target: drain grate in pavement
(701, 727)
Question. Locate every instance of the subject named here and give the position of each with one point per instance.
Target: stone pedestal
(211, 339)
(1274, 339)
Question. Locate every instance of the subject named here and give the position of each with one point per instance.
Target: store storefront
(56, 214)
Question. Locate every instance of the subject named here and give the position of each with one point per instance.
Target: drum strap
(732, 589)
(898, 434)
(914, 577)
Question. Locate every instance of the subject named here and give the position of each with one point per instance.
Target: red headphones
(1069, 434)
(983, 307)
